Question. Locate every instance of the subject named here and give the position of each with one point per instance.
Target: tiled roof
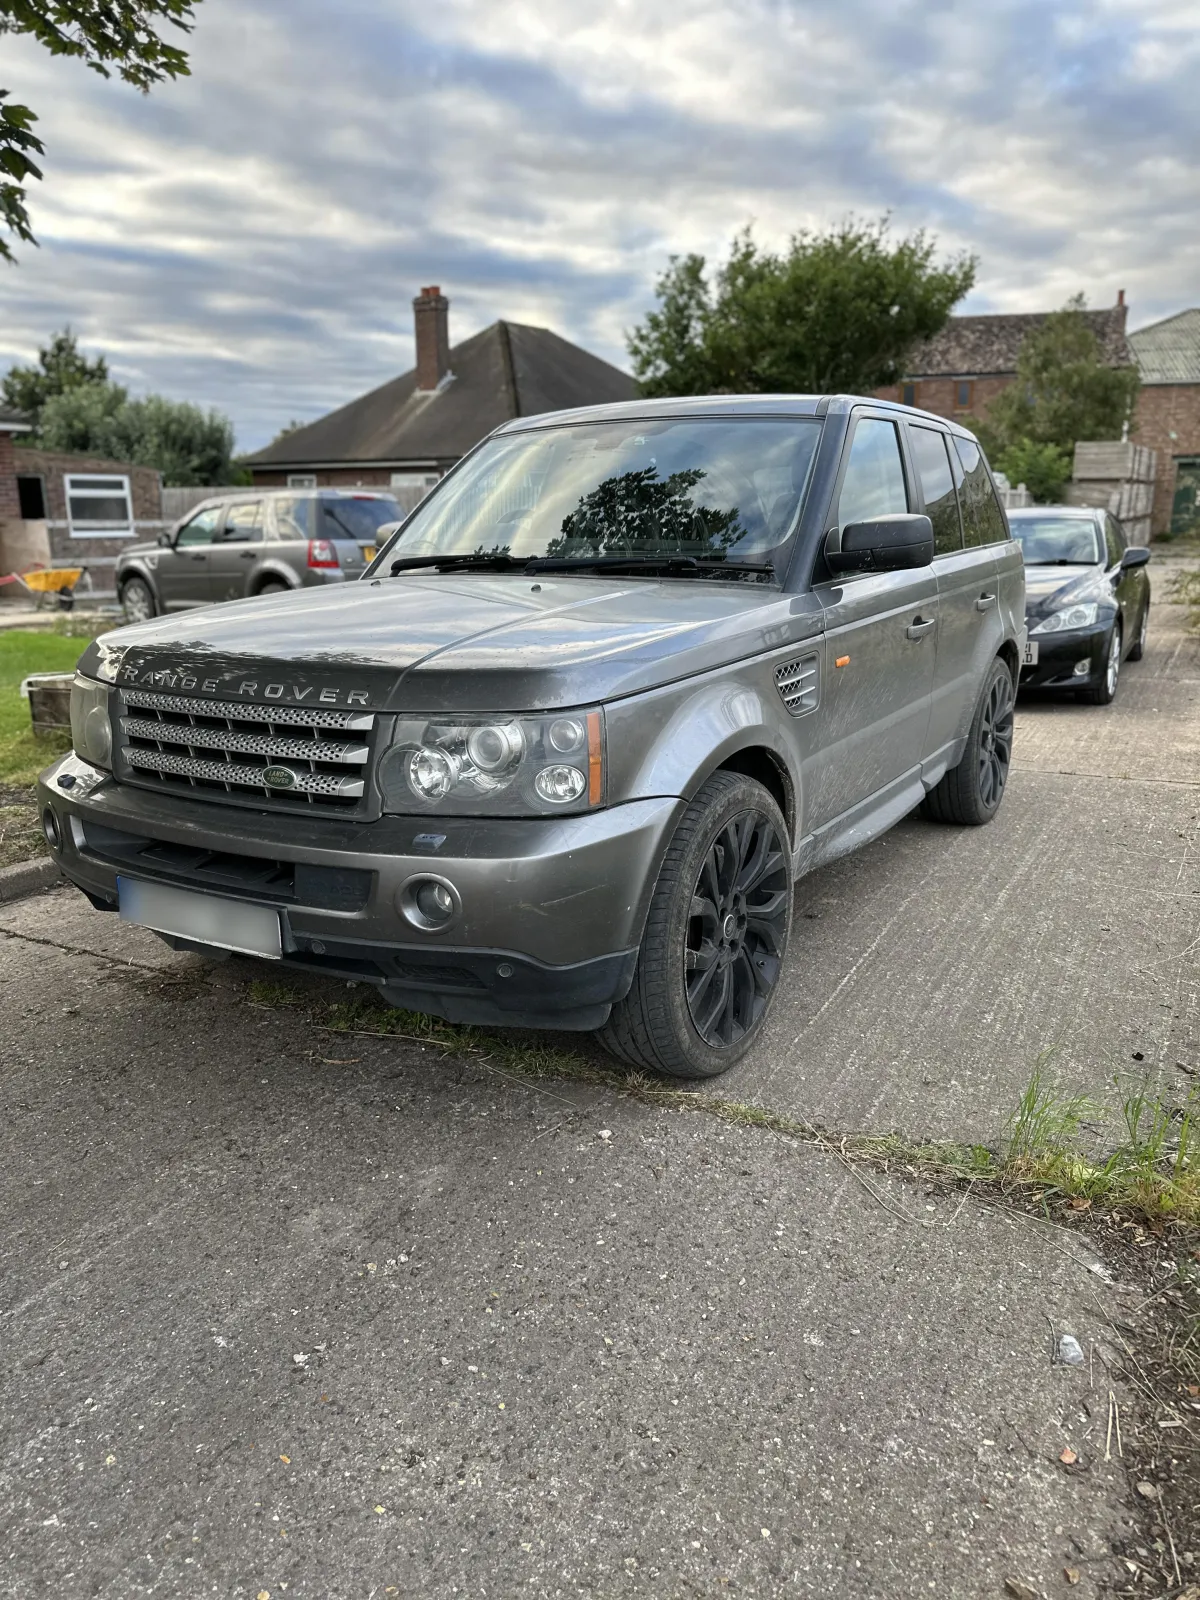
(1169, 351)
(969, 347)
(509, 370)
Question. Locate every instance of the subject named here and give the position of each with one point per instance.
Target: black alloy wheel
(971, 792)
(1105, 692)
(737, 929)
(715, 938)
(995, 740)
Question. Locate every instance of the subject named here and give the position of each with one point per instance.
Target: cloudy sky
(251, 237)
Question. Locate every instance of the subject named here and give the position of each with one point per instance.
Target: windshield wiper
(675, 566)
(476, 558)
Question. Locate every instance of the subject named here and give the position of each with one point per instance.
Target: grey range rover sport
(560, 756)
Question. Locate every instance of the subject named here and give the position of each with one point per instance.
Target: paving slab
(329, 1316)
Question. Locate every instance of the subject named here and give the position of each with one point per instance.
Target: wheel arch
(276, 572)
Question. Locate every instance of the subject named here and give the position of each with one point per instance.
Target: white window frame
(114, 484)
(302, 480)
(415, 480)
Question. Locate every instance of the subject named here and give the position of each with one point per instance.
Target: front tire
(1105, 692)
(971, 792)
(1139, 644)
(715, 938)
(137, 600)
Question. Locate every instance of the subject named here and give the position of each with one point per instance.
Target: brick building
(961, 370)
(1168, 416)
(69, 510)
(405, 434)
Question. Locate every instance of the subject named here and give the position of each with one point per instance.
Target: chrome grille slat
(220, 750)
(261, 744)
(282, 716)
(230, 772)
(799, 684)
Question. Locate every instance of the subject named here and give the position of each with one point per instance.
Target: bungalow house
(407, 433)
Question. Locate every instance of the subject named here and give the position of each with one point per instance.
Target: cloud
(251, 237)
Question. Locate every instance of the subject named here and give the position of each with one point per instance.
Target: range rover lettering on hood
(179, 679)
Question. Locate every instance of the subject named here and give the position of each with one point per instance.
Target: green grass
(1185, 590)
(1151, 1168)
(22, 753)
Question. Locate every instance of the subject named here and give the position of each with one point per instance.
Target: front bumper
(552, 910)
(1059, 653)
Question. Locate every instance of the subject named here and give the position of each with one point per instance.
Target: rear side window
(293, 517)
(244, 523)
(983, 520)
(929, 446)
(874, 482)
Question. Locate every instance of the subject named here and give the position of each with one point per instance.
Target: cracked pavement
(326, 1316)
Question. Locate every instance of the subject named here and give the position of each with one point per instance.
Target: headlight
(1082, 616)
(495, 766)
(91, 726)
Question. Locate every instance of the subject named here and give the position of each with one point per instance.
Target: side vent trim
(799, 684)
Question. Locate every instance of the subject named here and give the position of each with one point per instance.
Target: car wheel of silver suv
(715, 937)
(137, 600)
(971, 792)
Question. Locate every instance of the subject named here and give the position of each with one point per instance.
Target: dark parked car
(560, 757)
(1087, 599)
(260, 542)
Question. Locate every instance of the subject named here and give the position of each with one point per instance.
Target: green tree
(187, 445)
(1064, 391)
(834, 311)
(60, 366)
(107, 35)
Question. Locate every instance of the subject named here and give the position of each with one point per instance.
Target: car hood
(439, 642)
(1049, 589)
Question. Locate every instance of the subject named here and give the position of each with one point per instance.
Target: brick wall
(10, 506)
(145, 489)
(940, 395)
(1168, 421)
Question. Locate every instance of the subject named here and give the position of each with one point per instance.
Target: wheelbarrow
(49, 585)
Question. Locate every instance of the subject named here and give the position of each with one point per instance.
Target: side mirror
(163, 539)
(885, 544)
(1136, 556)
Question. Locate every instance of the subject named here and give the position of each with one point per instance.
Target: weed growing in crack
(1152, 1170)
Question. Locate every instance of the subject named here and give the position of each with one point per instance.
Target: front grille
(213, 749)
(799, 684)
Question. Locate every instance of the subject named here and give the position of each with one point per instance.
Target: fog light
(51, 829)
(429, 903)
(560, 785)
(1082, 668)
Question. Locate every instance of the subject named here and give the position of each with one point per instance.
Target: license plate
(1029, 659)
(206, 918)
(368, 551)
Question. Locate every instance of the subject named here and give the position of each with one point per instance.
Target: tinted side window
(983, 520)
(874, 482)
(937, 486)
(244, 522)
(201, 527)
(293, 517)
(1113, 540)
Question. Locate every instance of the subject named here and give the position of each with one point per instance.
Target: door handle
(985, 602)
(247, 555)
(202, 557)
(919, 627)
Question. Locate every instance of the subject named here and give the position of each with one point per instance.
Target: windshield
(713, 490)
(1046, 541)
(357, 516)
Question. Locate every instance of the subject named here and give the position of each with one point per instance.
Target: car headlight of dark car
(1082, 615)
(496, 766)
(91, 725)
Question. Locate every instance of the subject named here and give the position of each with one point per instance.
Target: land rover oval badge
(279, 777)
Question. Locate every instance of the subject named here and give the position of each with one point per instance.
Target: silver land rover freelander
(559, 757)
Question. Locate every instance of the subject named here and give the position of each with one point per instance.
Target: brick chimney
(431, 317)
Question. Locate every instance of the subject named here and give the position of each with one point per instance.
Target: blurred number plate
(1029, 659)
(368, 551)
(228, 924)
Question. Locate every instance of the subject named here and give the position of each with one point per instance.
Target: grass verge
(1150, 1172)
(23, 753)
(1184, 589)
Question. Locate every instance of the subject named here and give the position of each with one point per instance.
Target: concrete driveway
(292, 1313)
